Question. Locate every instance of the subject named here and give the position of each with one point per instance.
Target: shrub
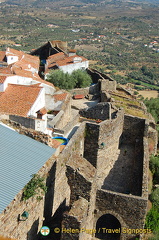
(78, 79)
(34, 187)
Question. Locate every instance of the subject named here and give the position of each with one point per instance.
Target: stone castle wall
(65, 118)
(74, 147)
(129, 210)
(109, 134)
(101, 111)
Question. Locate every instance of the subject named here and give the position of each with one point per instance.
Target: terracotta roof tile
(78, 96)
(55, 57)
(72, 50)
(37, 78)
(51, 61)
(27, 62)
(42, 111)
(18, 99)
(14, 52)
(2, 79)
(2, 55)
(60, 97)
(6, 70)
(62, 59)
(70, 60)
(55, 143)
(21, 72)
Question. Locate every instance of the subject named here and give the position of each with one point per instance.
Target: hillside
(122, 40)
(78, 3)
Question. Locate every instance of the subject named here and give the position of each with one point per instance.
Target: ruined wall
(26, 122)
(78, 187)
(135, 129)
(108, 85)
(74, 147)
(28, 229)
(69, 125)
(107, 133)
(83, 91)
(93, 89)
(152, 140)
(129, 210)
(91, 143)
(65, 118)
(101, 111)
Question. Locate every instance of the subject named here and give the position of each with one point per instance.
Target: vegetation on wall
(153, 107)
(78, 79)
(36, 186)
(152, 218)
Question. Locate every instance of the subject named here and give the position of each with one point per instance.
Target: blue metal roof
(20, 157)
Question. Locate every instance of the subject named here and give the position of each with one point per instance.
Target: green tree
(153, 107)
(78, 79)
(81, 78)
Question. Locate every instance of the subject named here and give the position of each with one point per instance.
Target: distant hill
(69, 2)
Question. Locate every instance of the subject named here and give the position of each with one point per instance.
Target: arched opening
(108, 227)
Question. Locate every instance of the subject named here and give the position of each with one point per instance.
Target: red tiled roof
(2, 79)
(2, 55)
(55, 57)
(18, 99)
(60, 59)
(37, 78)
(28, 74)
(27, 62)
(72, 50)
(14, 52)
(60, 97)
(69, 60)
(21, 72)
(42, 111)
(55, 143)
(78, 96)
(6, 70)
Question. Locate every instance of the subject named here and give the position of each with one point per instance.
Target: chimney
(72, 52)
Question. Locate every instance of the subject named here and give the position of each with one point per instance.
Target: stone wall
(26, 122)
(107, 133)
(135, 133)
(108, 85)
(91, 143)
(77, 186)
(129, 210)
(83, 91)
(65, 118)
(70, 124)
(133, 129)
(74, 147)
(93, 89)
(101, 111)
(152, 140)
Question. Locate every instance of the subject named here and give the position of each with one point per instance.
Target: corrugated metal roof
(20, 157)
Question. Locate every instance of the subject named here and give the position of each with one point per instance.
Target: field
(149, 94)
(121, 37)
